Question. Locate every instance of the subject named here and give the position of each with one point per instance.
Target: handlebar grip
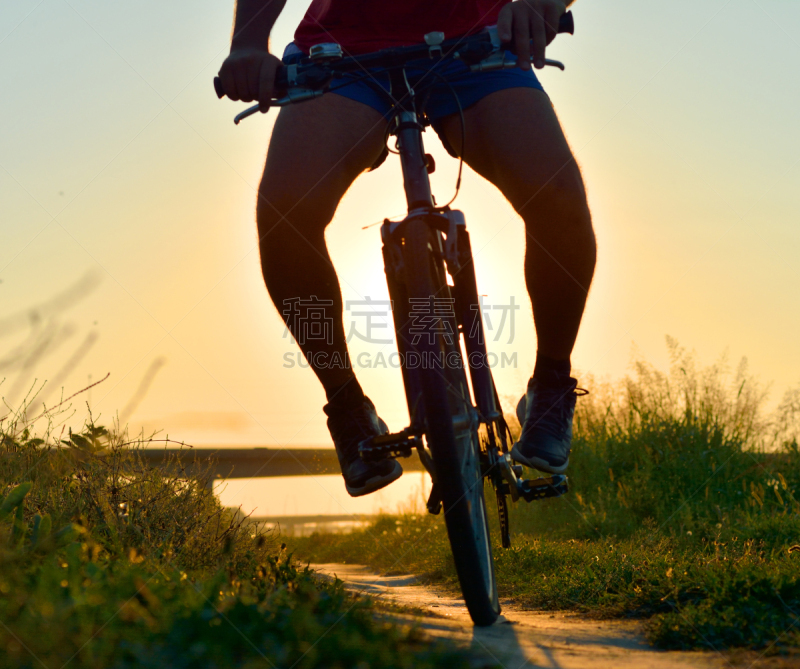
(566, 24)
(281, 82)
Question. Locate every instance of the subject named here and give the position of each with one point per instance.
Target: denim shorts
(460, 88)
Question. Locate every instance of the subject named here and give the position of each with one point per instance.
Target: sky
(127, 196)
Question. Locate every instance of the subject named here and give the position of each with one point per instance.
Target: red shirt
(361, 26)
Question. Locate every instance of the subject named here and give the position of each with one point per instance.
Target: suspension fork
(398, 294)
(407, 325)
(460, 265)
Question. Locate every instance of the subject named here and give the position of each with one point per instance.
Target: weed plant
(683, 510)
(106, 562)
(686, 451)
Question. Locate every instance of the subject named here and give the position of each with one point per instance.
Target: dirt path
(523, 638)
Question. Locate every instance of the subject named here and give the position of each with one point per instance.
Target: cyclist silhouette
(319, 148)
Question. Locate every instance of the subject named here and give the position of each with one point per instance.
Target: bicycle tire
(456, 454)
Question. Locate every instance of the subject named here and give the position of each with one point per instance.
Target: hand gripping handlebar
(282, 77)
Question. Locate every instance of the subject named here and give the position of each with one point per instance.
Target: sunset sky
(127, 210)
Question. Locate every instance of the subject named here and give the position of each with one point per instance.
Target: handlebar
(309, 78)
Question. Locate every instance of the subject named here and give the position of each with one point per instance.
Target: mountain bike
(456, 423)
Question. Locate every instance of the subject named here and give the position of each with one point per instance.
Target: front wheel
(451, 431)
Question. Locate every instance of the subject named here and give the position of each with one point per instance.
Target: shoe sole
(538, 463)
(376, 482)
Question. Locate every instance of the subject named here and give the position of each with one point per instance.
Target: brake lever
(254, 109)
(292, 96)
(499, 61)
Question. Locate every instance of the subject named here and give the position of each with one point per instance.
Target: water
(302, 504)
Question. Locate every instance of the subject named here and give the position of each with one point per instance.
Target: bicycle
(460, 442)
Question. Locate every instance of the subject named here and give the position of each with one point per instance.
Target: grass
(105, 562)
(683, 511)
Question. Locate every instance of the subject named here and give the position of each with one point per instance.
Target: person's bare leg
(317, 150)
(514, 140)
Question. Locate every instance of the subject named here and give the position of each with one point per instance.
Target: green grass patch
(683, 510)
(105, 562)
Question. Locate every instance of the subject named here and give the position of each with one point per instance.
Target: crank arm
(434, 503)
(510, 473)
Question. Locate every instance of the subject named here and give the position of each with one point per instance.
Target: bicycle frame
(451, 243)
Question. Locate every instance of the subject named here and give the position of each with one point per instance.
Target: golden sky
(127, 193)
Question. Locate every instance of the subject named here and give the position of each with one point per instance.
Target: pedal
(385, 446)
(551, 486)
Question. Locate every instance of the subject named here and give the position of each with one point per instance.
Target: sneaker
(545, 413)
(349, 426)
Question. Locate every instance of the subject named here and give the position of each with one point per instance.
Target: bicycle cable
(463, 139)
(368, 78)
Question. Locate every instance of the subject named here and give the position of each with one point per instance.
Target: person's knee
(290, 213)
(559, 204)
